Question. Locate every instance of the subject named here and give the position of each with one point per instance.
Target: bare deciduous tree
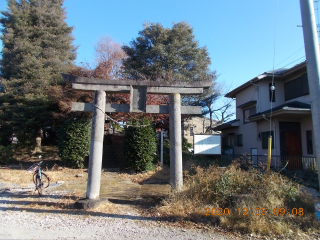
(223, 113)
(212, 103)
(109, 57)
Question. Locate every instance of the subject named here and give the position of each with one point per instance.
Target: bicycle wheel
(39, 185)
(45, 180)
(34, 178)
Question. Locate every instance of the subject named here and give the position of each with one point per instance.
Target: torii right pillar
(176, 177)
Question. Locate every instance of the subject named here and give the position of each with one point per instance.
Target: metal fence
(277, 162)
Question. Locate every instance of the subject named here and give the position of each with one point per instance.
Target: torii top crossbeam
(138, 91)
(153, 87)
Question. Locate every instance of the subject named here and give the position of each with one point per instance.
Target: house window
(265, 139)
(296, 88)
(309, 142)
(239, 140)
(232, 141)
(191, 131)
(272, 97)
(247, 113)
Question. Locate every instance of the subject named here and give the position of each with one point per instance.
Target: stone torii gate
(138, 94)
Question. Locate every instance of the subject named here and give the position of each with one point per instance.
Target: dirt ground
(134, 190)
(124, 216)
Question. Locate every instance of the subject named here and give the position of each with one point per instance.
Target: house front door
(290, 144)
(293, 147)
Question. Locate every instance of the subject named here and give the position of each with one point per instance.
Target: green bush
(6, 154)
(186, 146)
(140, 145)
(74, 142)
(166, 149)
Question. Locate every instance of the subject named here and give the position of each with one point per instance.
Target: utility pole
(311, 45)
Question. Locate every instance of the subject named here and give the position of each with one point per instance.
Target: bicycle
(40, 179)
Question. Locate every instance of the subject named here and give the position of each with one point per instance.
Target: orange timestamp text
(257, 211)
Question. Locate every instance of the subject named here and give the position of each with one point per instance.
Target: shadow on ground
(25, 202)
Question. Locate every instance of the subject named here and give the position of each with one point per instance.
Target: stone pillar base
(85, 203)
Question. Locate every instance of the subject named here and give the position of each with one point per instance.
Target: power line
(294, 61)
(291, 55)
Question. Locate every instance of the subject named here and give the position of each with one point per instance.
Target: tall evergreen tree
(37, 42)
(37, 47)
(164, 54)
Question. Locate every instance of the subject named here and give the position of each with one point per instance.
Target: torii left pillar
(176, 178)
(96, 145)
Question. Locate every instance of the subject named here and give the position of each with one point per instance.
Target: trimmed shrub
(74, 142)
(140, 148)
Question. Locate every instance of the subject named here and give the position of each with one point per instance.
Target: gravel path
(20, 220)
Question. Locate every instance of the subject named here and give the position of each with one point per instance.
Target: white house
(285, 114)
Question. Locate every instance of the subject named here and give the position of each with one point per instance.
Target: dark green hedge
(74, 142)
(140, 148)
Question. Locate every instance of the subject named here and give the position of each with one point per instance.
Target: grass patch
(247, 201)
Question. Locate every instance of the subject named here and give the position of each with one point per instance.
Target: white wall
(249, 133)
(246, 95)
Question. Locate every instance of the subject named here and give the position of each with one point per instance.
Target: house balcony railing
(277, 162)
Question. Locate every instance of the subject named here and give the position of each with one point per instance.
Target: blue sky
(240, 35)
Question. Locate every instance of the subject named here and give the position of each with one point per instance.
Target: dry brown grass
(23, 177)
(158, 175)
(15, 176)
(240, 190)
